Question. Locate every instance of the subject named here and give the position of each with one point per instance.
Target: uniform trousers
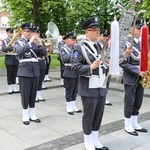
(71, 85)
(62, 68)
(41, 78)
(48, 61)
(28, 89)
(93, 108)
(11, 74)
(133, 99)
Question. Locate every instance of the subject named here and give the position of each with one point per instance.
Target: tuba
(52, 31)
(52, 35)
(128, 17)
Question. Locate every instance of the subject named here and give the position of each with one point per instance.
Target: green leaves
(67, 14)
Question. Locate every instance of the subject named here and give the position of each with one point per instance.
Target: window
(4, 22)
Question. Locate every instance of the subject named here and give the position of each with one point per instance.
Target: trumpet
(19, 31)
(39, 42)
(46, 43)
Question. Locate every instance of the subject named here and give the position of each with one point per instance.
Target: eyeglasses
(28, 31)
(94, 30)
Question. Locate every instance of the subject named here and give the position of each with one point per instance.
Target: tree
(35, 4)
(20, 13)
(68, 15)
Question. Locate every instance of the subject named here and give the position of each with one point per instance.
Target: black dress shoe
(141, 130)
(103, 148)
(49, 80)
(44, 88)
(108, 104)
(71, 113)
(78, 111)
(42, 100)
(26, 122)
(36, 120)
(36, 101)
(15, 91)
(10, 92)
(133, 133)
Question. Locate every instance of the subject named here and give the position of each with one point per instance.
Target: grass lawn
(54, 62)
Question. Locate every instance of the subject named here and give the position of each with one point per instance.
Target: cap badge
(96, 19)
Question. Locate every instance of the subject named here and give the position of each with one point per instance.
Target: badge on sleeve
(62, 53)
(76, 54)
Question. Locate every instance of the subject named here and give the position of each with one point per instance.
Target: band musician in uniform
(28, 71)
(62, 67)
(49, 44)
(70, 78)
(42, 65)
(102, 39)
(48, 61)
(11, 61)
(87, 64)
(131, 79)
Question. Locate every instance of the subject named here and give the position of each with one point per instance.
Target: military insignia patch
(76, 54)
(62, 53)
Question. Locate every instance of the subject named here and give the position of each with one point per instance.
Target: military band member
(62, 67)
(102, 39)
(70, 78)
(28, 71)
(48, 60)
(86, 63)
(42, 65)
(49, 44)
(11, 61)
(131, 79)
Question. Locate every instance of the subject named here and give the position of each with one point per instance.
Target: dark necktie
(138, 45)
(96, 47)
(104, 70)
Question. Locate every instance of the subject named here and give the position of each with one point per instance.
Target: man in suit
(28, 71)
(70, 78)
(87, 64)
(131, 79)
(11, 61)
(102, 39)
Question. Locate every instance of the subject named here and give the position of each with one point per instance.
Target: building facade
(4, 20)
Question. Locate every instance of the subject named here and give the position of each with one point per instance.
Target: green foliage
(55, 62)
(146, 5)
(68, 15)
(22, 11)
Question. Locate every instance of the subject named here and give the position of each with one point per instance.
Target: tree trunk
(36, 12)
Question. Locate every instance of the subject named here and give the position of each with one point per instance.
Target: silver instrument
(52, 31)
(127, 18)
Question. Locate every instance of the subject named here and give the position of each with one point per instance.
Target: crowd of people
(86, 63)
(82, 73)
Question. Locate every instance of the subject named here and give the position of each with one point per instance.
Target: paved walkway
(60, 131)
